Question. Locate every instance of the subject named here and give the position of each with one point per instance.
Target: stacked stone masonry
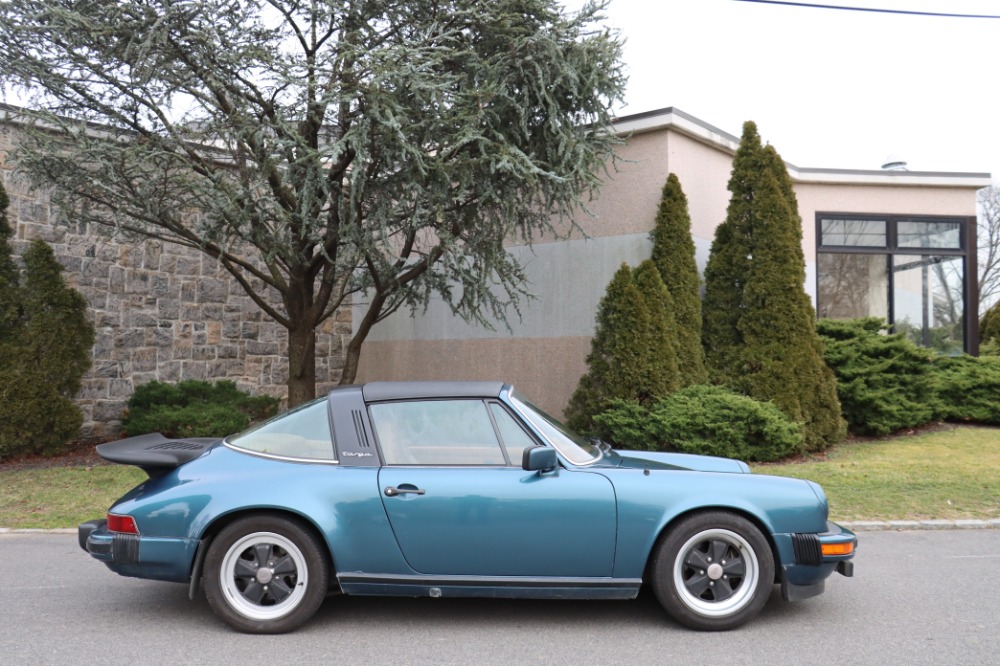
(160, 311)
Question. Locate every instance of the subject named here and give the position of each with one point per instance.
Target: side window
(303, 432)
(515, 439)
(436, 432)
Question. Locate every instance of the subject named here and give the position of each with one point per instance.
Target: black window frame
(966, 249)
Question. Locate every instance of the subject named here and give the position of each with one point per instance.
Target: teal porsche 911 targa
(457, 489)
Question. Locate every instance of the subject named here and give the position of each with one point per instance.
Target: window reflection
(853, 285)
(853, 233)
(927, 296)
(930, 234)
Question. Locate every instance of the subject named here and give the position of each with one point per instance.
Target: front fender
(649, 503)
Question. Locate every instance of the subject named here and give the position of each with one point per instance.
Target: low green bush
(708, 420)
(34, 416)
(968, 388)
(194, 409)
(885, 382)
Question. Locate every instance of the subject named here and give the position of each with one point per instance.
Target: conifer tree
(660, 371)
(8, 272)
(631, 354)
(759, 324)
(45, 341)
(673, 254)
(57, 334)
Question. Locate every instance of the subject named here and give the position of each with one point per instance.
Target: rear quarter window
(302, 433)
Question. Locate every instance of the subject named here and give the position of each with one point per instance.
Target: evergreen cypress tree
(660, 361)
(631, 356)
(989, 326)
(760, 329)
(45, 342)
(57, 334)
(8, 272)
(673, 254)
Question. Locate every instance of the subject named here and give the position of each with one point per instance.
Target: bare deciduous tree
(989, 247)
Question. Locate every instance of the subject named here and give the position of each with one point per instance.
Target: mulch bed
(76, 454)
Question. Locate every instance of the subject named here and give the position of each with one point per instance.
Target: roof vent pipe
(894, 163)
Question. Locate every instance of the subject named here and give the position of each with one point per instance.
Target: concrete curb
(883, 525)
(855, 526)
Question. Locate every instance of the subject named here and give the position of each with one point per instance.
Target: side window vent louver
(359, 426)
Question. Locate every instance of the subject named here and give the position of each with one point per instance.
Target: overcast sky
(828, 88)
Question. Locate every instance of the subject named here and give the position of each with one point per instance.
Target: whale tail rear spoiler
(153, 453)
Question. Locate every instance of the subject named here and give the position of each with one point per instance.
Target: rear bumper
(137, 556)
(807, 568)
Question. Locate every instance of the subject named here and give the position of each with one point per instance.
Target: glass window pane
(303, 432)
(853, 285)
(929, 234)
(928, 300)
(436, 432)
(514, 437)
(853, 233)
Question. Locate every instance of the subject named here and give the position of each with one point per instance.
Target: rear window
(302, 433)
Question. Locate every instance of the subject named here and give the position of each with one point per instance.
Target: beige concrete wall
(544, 369)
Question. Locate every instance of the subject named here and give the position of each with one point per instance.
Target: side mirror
(539, 459)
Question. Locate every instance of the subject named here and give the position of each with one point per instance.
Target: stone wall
(160, 311)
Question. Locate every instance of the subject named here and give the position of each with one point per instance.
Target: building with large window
(894, 244)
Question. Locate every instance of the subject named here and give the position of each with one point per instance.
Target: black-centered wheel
(265, 574)
(713, 571)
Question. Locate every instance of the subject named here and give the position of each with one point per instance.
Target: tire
(265, 574)
(714, 571)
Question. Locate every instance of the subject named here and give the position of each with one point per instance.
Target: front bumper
(137, 556)
(805, 568)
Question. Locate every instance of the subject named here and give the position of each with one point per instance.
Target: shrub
(194, 409)
(885, 381)
(708, 420)
(34, 417)
(968, 388)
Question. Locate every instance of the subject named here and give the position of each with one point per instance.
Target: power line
(811, 5)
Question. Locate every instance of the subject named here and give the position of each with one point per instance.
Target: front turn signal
(837, 549)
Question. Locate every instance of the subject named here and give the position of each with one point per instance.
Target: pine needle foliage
(759, 323)
(885, 381)
(8, 271)
(44, 350)
(989, 325)
(632, 355)
(674, 256)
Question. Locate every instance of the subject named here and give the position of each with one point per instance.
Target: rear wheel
(265, 574)
(713, 571)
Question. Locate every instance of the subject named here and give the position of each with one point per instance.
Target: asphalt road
(920, 597)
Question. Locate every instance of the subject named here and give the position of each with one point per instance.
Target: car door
(460, 504)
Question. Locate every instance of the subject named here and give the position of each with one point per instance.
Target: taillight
(122, 524)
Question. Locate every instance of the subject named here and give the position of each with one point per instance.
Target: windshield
(574, 448)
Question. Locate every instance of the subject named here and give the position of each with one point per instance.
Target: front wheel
(713, 571)
(265, 574)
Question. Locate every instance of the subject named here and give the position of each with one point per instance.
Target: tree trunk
(354, 346)
(301, 364)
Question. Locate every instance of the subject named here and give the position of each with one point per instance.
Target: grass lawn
(62, 496)
(950, 473)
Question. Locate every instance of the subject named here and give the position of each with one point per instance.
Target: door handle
(393, 491)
